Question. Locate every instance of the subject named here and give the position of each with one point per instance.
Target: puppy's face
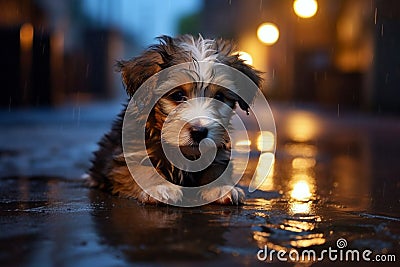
(202, 104)
(195, 111)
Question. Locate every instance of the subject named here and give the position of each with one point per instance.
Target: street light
(268, 33)
(305, 8)
(246, 57)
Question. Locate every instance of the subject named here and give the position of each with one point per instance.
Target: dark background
(332, 82)
(346, 56)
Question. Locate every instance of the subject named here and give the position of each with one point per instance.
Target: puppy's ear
(248, 93)
(137, 70)
(227, 56)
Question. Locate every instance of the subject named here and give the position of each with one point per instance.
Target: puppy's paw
(161, 194)
(225, 195)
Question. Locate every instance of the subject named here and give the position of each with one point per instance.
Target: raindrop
(382, 29)
(338, 110)
(273, 74)
(375, 14)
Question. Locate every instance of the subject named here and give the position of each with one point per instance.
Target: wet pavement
(336, 177)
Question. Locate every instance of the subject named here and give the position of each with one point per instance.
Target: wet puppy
(177, 121)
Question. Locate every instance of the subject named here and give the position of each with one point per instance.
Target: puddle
(330, 181)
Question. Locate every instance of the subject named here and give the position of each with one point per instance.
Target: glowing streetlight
(246, 57)
(305, 8)
(268, 33)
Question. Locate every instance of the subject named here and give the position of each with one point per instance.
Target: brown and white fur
(109, 170)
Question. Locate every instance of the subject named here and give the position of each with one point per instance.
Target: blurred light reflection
(301, 150)
(302, 184)
(242, 146)
(302, 126)
(265, 141)
(264, 173)
(300, 207)
(303, 163)
(298, 226)
(301, 191)
(309, 240)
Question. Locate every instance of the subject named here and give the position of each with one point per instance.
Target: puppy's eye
(178, 96)
(219, 96)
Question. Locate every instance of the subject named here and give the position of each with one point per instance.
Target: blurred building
(21, 47)
(346, 55)
(52, 53)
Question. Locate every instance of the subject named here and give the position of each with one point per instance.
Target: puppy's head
(200, 98)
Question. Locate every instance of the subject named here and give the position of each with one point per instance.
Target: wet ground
(336, 177)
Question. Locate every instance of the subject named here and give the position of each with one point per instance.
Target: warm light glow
(268, 33)
(26, 36)
(264, 172)
(300, 207)
(308, 240)
(302, 126)
(246, 57)
(303, 163)
(305, 8)
(265, 141)
(301, 191)
(267, 183)
(301, 150)
(249, 43)
(243, 146)
(243, 143)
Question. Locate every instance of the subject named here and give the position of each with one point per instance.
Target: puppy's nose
(198, 133)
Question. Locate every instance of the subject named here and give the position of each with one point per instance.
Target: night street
(199, 133)
(336, 176)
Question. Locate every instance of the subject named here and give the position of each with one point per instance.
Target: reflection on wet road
(331, 177)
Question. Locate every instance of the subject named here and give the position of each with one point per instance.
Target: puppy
(169, 120)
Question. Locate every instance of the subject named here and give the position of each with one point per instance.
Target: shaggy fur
(109, 170)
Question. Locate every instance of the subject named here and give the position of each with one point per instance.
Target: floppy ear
(231, 59)
(248, 92)
(137, 70)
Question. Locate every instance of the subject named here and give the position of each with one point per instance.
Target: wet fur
(109, 171)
